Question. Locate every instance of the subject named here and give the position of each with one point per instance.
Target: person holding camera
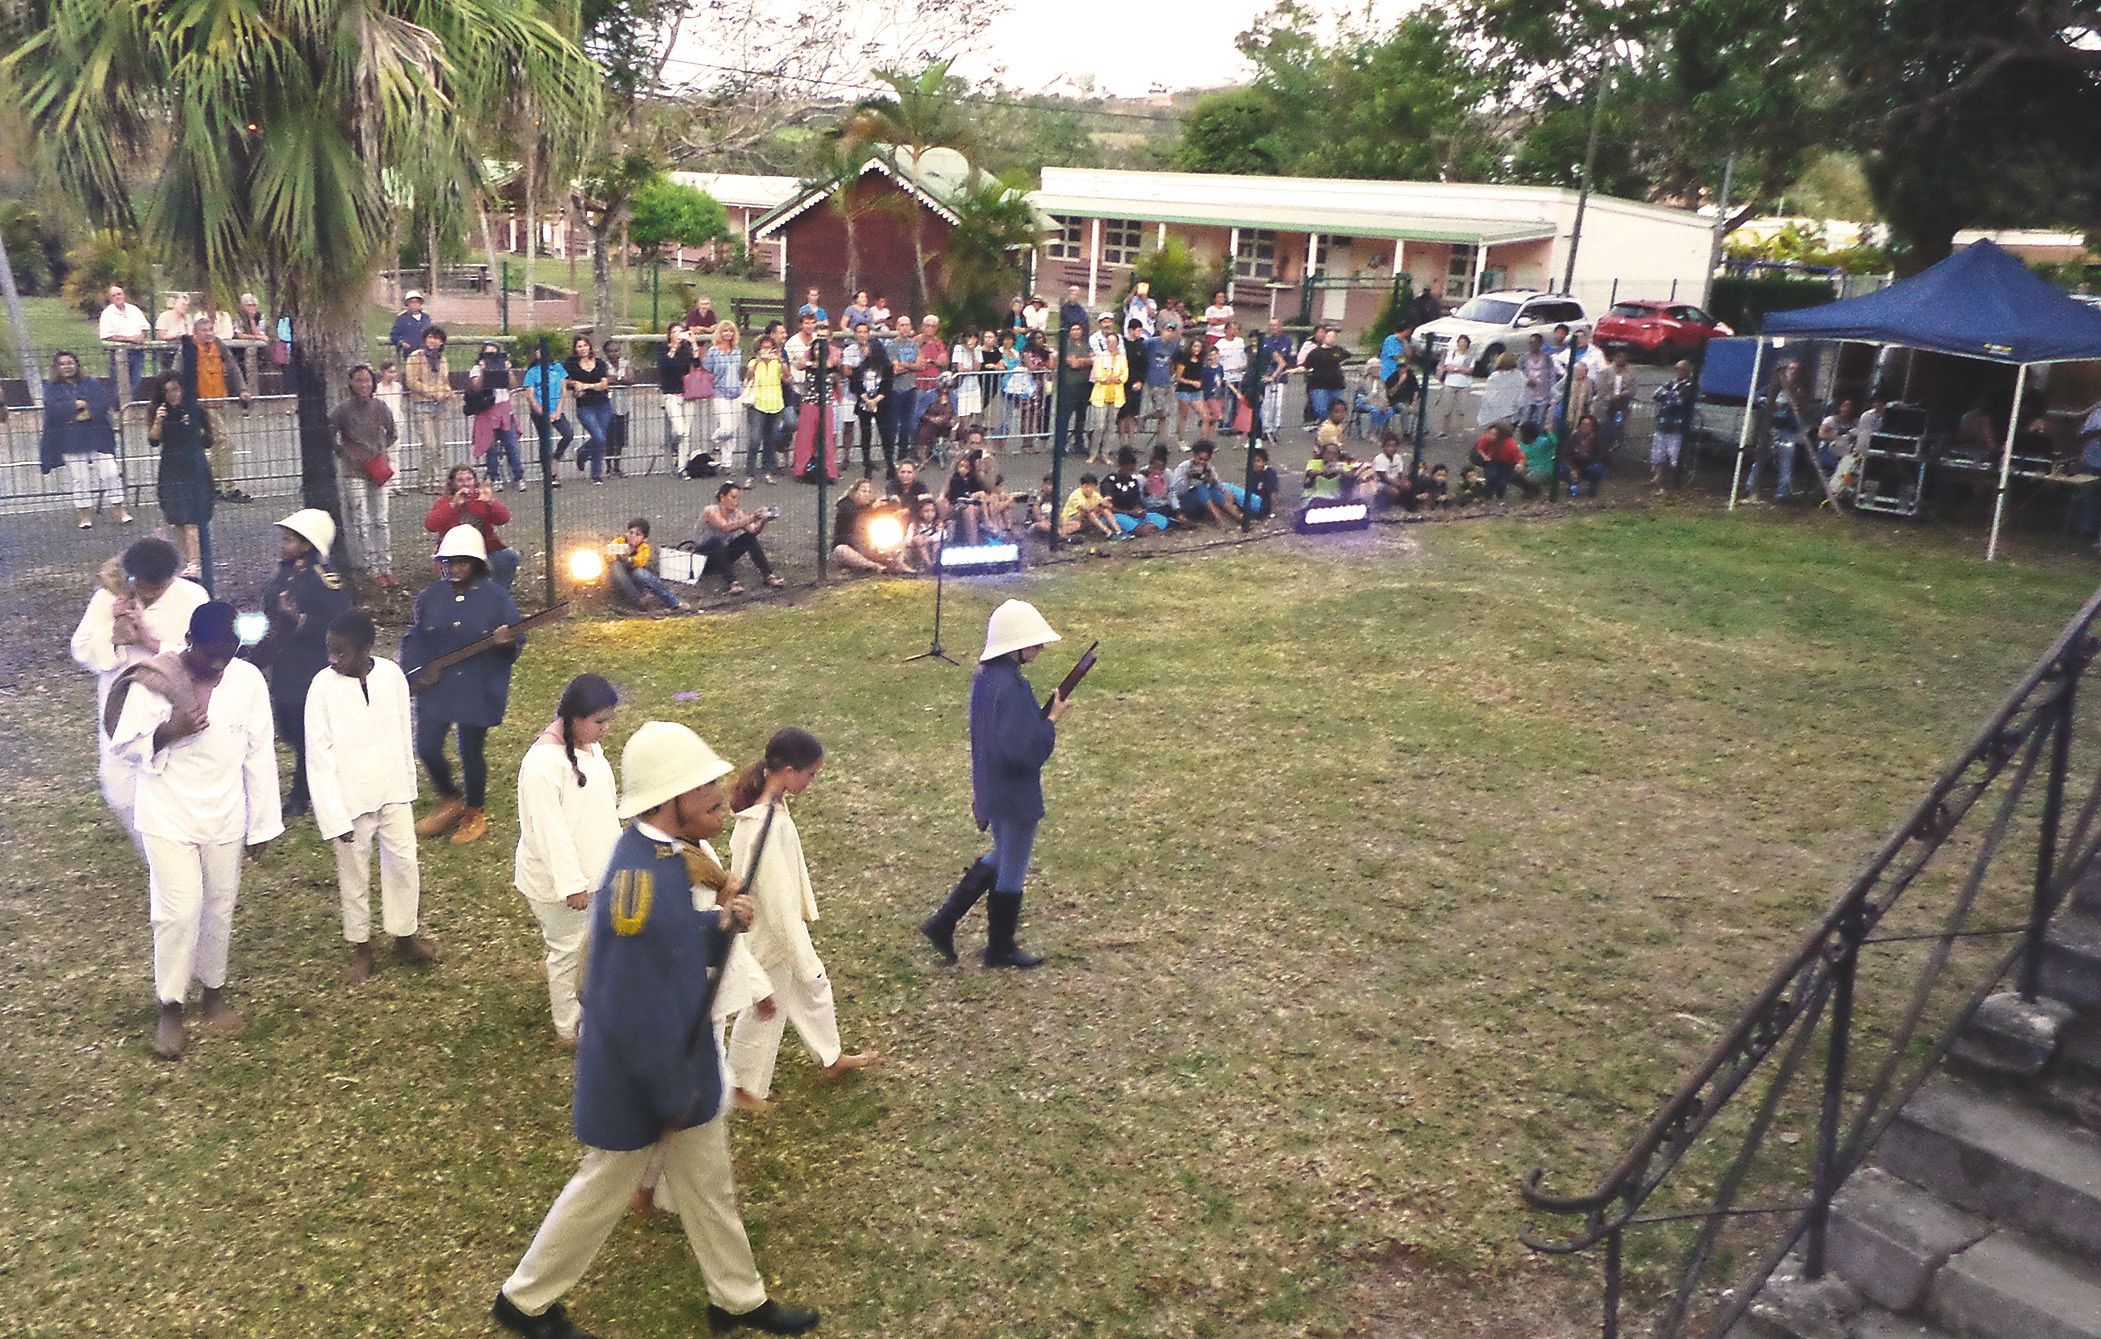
(727, 532)
(493, 424)
(675, 366)
(468, 501)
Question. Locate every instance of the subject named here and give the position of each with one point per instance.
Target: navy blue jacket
(646, 987)
(66, 436)
(297, 647)
(478, 690)
(1010, 740)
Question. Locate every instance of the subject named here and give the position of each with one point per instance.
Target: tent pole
(1743, 435)
(2013, 421)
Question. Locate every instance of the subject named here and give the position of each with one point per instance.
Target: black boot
(1003, 917)
(940, 928)
(770, 1316)
(549, 1324)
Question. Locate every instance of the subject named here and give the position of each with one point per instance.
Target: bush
(1744, 303)
(1171, 270)
(36, 253)
(107, 257)
(1390, 314)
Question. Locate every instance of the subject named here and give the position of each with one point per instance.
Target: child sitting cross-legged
(1086, 511)
(633, 569)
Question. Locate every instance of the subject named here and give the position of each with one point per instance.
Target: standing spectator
(430, 395)
(1456, 377)
(1393, 350)
(361, 765)
(215, 375)
(182, 431)
(1036, 316)
(467, 502)
(409, 327)
(767, 385)
(857, 313)
(674, 365)
(879, 313)
(365, 434)
(1232, 363)
(1502, 393)
(1673, 420)
(171, 326)
(816, 426)
(1784, 402)
(1073, 311)
(702, 315)
(621, 375)
(1073, 384)
(1161, 351)
(492, 427)
(123, 323)
(724, 361)
(1140, 309)
(1216, 317)
(1581, 350)
(79, 435)
(903, 348)
(140, 609)
(567, 825)
(1109, 378)
(459, 609)
(395, 396)
(546, 387)
(590, 381)
(1615, 392)
(250, 333)
(871, 384)
(813, 307)
(727, 532)
(1537, 368)
(933, 356)
(207, 787)
(1275, 362)
(1325, 381)
(1189, 387)
(971, 389)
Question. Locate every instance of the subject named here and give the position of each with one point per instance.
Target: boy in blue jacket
(1011, 737)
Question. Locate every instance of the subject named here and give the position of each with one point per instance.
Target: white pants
(567, 932)
(91, 475)
(697, 1170)
(682, 427)
(726, 413)
(430, 442)
(365, 517)
(400, 882)
(1272, 408)
(192, 890)
(755, 1042)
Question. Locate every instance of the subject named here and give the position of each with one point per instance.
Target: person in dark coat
(80, 437)
(1011, 737)
(463, 608)
(183, 432)
(303, 598)
(648, 1066)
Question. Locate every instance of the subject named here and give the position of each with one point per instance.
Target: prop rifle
(1073, 677)
(710, 872)
(428, 675)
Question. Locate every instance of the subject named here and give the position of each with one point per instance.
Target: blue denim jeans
(503, 565)
(504, 448)
(598, 428)
(1319, 400)
(635, 582)
(1012, 845)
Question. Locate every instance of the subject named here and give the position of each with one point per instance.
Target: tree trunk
(488, 250)
(921, 300)
(430, 244)
(627, 278)
(324, 349)
(853, 257)
(532, 236)
(570, 219)
(25, 355)
(601, 278)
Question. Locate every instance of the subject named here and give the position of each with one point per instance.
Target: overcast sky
(1126, 46)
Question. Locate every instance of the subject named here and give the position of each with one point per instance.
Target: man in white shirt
(1036, 314)
(1580, 346)
(141, 609)
(361, 778)
(196, 725)
(173, 323)
(123, 323)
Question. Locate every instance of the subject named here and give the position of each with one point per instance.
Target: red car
(1660, 330)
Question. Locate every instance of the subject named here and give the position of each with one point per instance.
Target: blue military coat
(302, 599)
(476, 691)
(645, 993)
(1010, 740)
(65, 435)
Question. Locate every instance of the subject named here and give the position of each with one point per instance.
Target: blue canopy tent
(1978, 303)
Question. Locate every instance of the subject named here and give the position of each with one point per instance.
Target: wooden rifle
(427, 676)
(1070, 682)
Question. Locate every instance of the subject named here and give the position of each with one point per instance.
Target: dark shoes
(549, 1324)
(1003, 917)
(772, 1317)
(940, 928)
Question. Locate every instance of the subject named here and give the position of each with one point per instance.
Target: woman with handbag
(492, 425)
(676, 370)
(365, 433)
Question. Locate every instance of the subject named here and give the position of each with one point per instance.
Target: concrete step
(2072, 960)
(2071, 1086)
(1998, 1157)
(1888, 1237)
(2011, 1287)
(1875, 1323)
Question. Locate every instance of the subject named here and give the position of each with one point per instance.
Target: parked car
(1662, 331)
(1501, 322)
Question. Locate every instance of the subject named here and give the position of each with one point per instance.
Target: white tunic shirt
(360, 755)
(216, 786)
(167, 623)
(784, 901)
(566, 829)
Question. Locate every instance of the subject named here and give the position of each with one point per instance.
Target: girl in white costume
(567, 824)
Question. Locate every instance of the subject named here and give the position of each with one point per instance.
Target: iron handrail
(1801, 979)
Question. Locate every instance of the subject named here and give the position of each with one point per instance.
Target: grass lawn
(1377, 872)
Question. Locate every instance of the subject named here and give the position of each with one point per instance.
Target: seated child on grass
(634, 578)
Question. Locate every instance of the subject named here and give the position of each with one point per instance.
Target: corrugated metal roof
(739, 188)
(1309, 217)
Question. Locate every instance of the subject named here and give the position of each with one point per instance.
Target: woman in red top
(1500, 457)
(468, 502)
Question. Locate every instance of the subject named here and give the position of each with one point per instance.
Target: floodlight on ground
(979, 559)
(886, 532)
(586, 565)
(250, 627)
(1322, 518)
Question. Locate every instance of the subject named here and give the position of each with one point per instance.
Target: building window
(1070, 241)
(1122, 240)
(1256, 258)
(1459, 271)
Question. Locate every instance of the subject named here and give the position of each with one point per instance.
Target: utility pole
(24, 354)
(1590, 162)
(1721, 229)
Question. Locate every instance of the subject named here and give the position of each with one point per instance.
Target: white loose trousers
(192, 889)
(567, 932)
(755, 1042)
(400, 880)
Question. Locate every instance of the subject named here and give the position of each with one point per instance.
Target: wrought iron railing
(1740, 1165)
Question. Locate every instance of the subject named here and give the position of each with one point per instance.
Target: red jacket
(1500, 450)
(484, 514)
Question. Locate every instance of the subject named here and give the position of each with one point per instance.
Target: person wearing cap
(407, 333)
(195, 725)
(302, 598)
(1161, 351)
(462, 607)
(1011, 737)
(361, 768)
(649, 1066)
(140, 608)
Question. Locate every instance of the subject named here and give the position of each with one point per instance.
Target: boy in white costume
(361, 777)
(196, 726)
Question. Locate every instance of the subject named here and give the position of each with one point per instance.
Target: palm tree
(995, 224)
(261, 129)
(920, 112)
(840, 156)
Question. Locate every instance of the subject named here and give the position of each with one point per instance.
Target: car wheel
(1488, 360)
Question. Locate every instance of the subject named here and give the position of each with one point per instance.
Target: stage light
(586, 565)
(968, 559)
(886, 532)
(1328, 517)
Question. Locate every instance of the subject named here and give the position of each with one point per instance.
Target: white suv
(1502, 322)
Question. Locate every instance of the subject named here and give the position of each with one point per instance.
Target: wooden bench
(744, 309)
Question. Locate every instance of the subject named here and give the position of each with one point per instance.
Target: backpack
(701, 466)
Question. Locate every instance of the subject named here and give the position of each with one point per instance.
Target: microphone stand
(934, 651)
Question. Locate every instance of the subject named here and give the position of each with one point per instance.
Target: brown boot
(410, 948)
(167, 1033)
(360, 969)
(471, 827)
(441, 819)
(219, 1015)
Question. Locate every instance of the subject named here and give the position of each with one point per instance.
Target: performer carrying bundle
(1011, 737)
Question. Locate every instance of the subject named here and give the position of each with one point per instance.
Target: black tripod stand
(934, 649)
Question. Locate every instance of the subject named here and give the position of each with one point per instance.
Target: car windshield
(1634, 309)
(1488, 311)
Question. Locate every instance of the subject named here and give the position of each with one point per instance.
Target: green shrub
(107, 257)
(1171, 270)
